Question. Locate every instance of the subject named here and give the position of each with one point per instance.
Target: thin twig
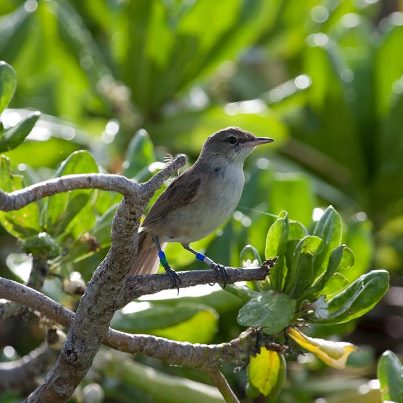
(22, 374)
(222, 385)
(137, 286)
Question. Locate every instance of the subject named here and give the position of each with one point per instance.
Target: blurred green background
(130, 81)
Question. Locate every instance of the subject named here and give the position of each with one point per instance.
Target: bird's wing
(179, 193)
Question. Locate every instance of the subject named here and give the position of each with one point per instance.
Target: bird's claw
(174, 277)
(221, 271)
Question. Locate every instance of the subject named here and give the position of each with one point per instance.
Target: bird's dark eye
(232, 139)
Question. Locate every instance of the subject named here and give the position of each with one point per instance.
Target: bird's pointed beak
(258, 140)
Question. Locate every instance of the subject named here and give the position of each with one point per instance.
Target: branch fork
(110, 289)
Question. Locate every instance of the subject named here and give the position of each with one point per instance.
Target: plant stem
(222, 385)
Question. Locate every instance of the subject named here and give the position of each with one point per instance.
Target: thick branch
(98, 303)
(135, 286)
(113, 183)
(235, 352)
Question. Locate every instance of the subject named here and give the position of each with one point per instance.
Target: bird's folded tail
(147, 260)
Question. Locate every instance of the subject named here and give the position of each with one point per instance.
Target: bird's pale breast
(215, 201)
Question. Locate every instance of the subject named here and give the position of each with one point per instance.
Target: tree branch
(38, 274)
(98, 303)
(136, 286)
(160, 177)
(222, 385)
(236, 351)
(89, 327)
(20, 198)
(22, 374)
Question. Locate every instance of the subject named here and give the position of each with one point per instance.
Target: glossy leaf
(14, 28)
(340, 262)
(390, 165)
(19, 223)
(387, 74)
(329, 228)
(330, 109)
(61, 209)
(139, 155)
(271, 310)
(174, 131)
(390, 375)
(267, 372)
(250, 255)
(14, 136)
(360, 240)
(276, 244)
(296, 230)
(359, 297)
(8, 83)
(168, 46)
(301, 271)
(180, 321)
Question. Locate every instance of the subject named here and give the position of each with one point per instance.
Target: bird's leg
(164, 262)
(218, 268)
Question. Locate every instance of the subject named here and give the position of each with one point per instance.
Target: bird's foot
(221, 272)
(174, 277)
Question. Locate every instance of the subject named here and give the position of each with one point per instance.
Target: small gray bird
(196, 202)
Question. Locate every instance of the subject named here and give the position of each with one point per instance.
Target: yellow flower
(333, 353)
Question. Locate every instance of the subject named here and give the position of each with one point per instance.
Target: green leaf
(293, 193)
(185, 321)
(175, 131)
(8, 83)
(329, 228)
(341, 277)
(250, 254)
(19, 223)
(301, 271)
(359, 238)
(47, 153)
(296, 230)
(387, 73)
(276, 244)
(267, 372)
(61, 209)
(14, 136)
(390, 375)
(14, 28)
(271, 310)
(167, 45)
(359, 298)
(340, 262)
(139, 155)
(79, 41)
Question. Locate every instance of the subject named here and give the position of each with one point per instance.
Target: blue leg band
(200, 256)
(163, 258)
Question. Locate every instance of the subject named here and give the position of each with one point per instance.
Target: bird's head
(231, 144)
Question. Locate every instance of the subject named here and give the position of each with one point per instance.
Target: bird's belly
(198, 219)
